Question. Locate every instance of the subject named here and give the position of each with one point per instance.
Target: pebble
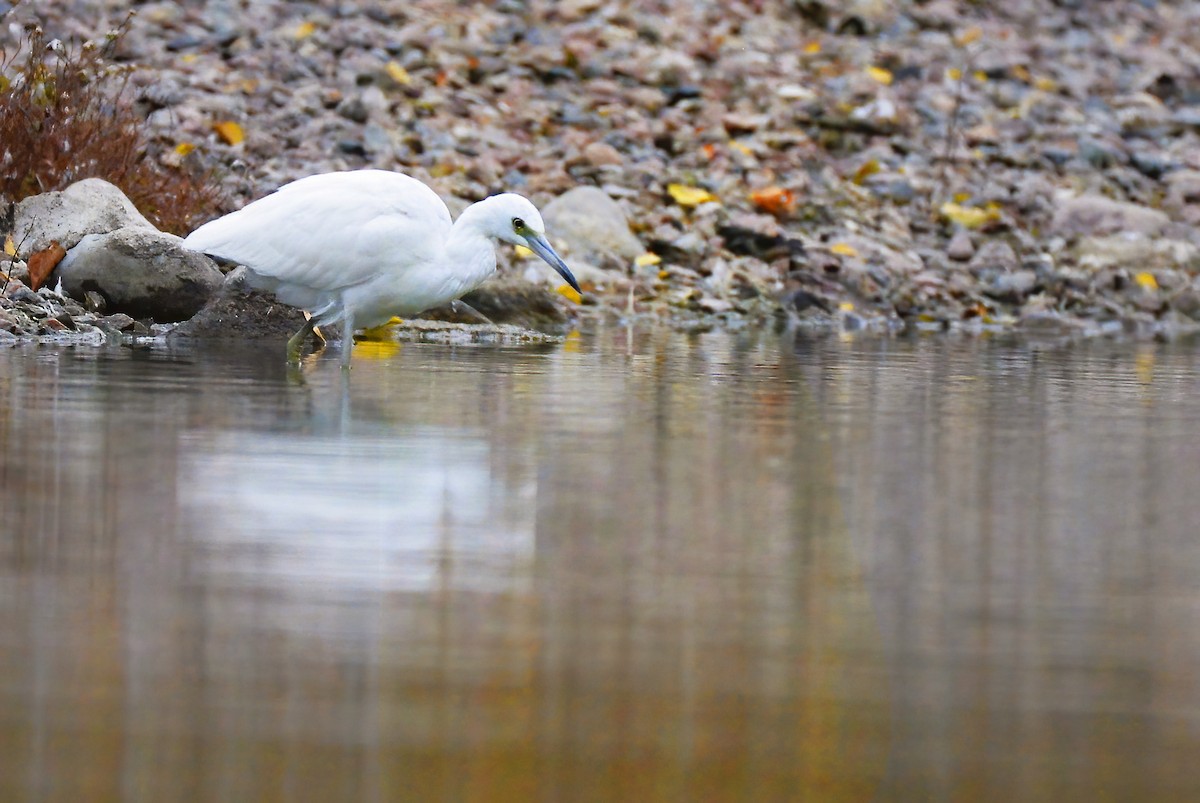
(960, 248)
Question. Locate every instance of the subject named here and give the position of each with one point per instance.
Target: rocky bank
(886, 166)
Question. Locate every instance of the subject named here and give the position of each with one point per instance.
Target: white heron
(360, 246)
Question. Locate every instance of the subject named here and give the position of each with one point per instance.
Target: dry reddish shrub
(65, 116)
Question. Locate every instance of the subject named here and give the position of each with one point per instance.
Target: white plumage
(358, 247)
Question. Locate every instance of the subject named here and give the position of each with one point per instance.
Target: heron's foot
(458, 305)
(296, 342)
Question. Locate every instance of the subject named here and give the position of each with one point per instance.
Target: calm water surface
(620, 568)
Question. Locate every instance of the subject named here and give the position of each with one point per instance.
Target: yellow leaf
(844, 249)
(961, 197)
(1045, 84)
(569, 292)
(689, 196)
(230, 132)
(980, 76)
(846, 306)
(968, 36)
(880, 74)
(663, 275)
(184, 148)
(954, 74)
(867, 169)
(398, 73)
(9, 247)
(375, 349)
(376, 333)
(745, 149)
(304, 30)
(647, 259)
(970, 217)
(812, 47)
(1020, 73)
(1146, 280)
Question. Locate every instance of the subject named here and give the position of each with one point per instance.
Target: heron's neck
(470, 253)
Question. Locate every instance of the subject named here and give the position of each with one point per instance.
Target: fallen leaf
(968, 36)
(1045, 84)
(569, 292)
(1146, 280)
(375, 349)
(846, 306)
(709, 150)
(647, 259)
(230, 132)
(954, 74)
(1021, 74)
(812, 48)
(968, 216)
(880, 74)
(9, 247)
(43, 262)
(739, 147)
(304, 30)
(398, 73)
(775, 200)
(868, 168)
(689, 196)
(184, 148)
(843, 249)
(980, 76)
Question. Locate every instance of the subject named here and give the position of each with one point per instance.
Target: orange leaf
(43, 262)
(776, 200)
(230, 132)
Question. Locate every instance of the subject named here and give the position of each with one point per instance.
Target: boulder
(238, 312)
(1094, 215)
(141, 272)
(1136, 253)
(593, 226)
(91, 206)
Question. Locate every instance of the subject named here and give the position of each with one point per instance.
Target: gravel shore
(886, 165)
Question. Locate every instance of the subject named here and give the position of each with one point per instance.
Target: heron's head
(513, 219)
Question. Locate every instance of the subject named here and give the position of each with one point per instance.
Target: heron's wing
(328, 232)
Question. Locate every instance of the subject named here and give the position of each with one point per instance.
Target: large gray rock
(239, 312)
(141, 272)
(593, 227)
(1093, 215)
(1136, 253)
(91, 206)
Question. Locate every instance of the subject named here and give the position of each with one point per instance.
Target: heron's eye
(518, 224)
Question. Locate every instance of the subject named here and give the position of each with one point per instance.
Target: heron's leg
(347, 338)
(458, 304)
(296, 342)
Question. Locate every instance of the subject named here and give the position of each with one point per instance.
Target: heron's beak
(539, 245)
